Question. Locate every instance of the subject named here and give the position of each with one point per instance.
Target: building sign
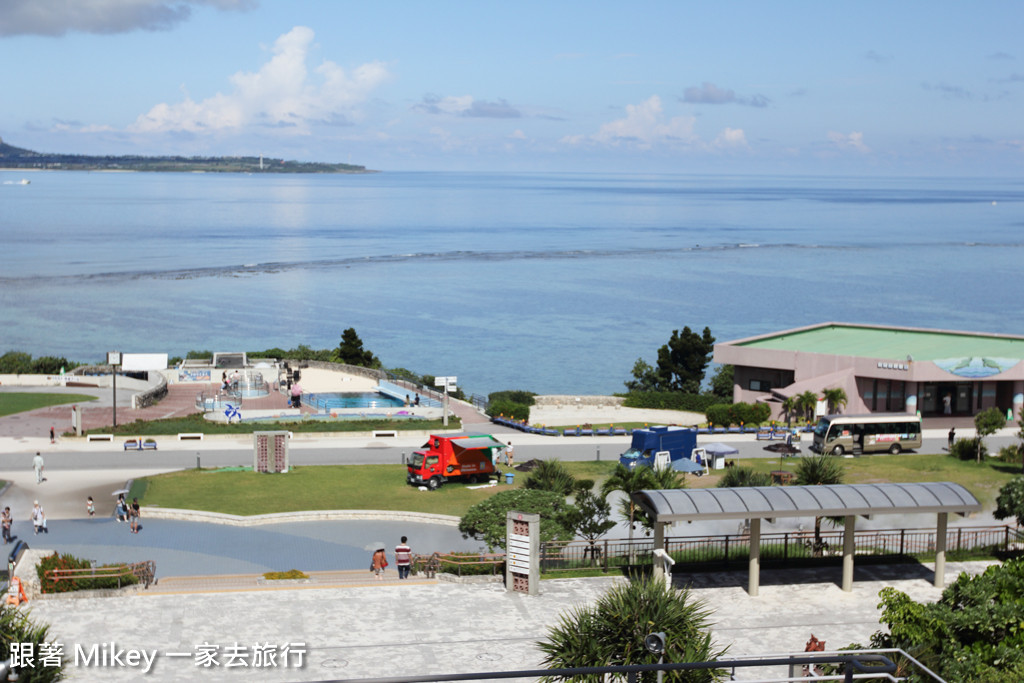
(522, 552)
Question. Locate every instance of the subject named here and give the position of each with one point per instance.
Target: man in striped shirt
(403, 558)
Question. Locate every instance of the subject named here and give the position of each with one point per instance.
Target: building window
(760, 385)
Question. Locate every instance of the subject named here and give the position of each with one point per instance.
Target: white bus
(893, 432)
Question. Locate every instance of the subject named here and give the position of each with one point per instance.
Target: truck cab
(453, 457)
(659, 446)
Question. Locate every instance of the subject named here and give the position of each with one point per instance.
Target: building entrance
(947, 398)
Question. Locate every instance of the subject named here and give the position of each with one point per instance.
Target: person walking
(5, 524)
(403, 558)
(53, 436)
(121, 509)
(134, 512)
(38, 465)
(379, 563)
(38, 518)
(90, 506)
(510, 456)
(950, 439)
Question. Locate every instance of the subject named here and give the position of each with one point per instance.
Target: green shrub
(17, 627)
(1014, 453)
(513, 395)
(55, 561)
(719, 415)
(551, 475)
(744, 476)
(291, 574)
(967, 449)
(670, 400)
(509, 409)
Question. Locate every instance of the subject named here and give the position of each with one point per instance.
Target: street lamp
(114, 360)
(655, 644)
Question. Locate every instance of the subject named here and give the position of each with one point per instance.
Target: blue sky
(863, 88)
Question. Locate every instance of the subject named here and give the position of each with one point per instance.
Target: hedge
(66, 561)
(670, 400)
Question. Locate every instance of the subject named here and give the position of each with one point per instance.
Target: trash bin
(509, 476)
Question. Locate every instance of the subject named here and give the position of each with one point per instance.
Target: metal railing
(144, 572)
(781, 548)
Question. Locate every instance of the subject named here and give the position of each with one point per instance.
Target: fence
(145, 572)
(780, 548)
(460, 564)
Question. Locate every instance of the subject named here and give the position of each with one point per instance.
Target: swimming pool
(328, 401)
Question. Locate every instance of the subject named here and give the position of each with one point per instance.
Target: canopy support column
(940, 550)
(848, 549)
(754, 579)
(659, 542)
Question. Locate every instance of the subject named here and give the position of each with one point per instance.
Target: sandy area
(568, 416)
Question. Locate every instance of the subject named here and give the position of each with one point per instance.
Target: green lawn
(18, 402)
(383, 487)
(324, 487)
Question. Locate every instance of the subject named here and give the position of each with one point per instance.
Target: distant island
(17, 158)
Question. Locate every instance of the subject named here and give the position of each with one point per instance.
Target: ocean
(553, 283)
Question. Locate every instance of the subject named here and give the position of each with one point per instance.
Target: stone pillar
(940, 550)
(849, 523)
(911, 399)
(754, 579)
(1018, 398)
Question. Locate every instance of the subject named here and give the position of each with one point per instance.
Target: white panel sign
(140, 362)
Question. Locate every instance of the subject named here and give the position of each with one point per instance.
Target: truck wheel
(433, 483)
(895, 449)
(838, 450)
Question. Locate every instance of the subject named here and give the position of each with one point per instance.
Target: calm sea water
(548, 282)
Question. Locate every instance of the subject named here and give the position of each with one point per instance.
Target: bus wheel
(433, 483)
(895, 449)
(838, 450)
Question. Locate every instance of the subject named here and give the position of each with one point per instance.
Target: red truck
(463, 457)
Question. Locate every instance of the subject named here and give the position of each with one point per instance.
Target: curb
(304, 516)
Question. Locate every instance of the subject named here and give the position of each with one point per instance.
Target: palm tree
(612, 631)
(790, 406)
(629, 481)
(819, 470)
(743, 476)
(661, 480)
(807, 402)
(835, 398)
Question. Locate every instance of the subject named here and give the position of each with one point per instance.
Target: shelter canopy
(841, 500)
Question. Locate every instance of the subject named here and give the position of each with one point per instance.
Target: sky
(839, 88)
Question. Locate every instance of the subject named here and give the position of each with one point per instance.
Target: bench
(100, 437)
(196, 436)
(139, 445)
(385, 432)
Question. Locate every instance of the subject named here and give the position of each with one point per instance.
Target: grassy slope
(19, 402)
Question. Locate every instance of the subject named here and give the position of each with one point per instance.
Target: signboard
(143, 362)
(522, 552)
(448, 383)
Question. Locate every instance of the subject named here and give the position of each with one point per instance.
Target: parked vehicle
(454, 457)
(892, 432)
(659, 446)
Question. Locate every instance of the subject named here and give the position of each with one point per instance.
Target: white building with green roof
(881, 369)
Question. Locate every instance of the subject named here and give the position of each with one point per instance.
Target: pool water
(329, 401)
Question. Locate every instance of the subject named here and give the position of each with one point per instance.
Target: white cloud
(854, 141)
(57, 17)
(731, 138)
(281, 94)
(518, 135)
(466, 105)
(644, 126)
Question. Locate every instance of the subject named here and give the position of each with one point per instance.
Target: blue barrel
(509, 476)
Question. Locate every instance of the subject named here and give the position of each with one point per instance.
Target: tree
(684, 359)
(612, 631)
(589, 517)
(722, 382)
(351, 351)
(1010, 502)
(551, 475)
(644, 377)
(660, 480)
(835, 398)
(807, 402)
(629, 481)
(988, 422)
(818, 470)
(486, 520)
(17, 627)
(789, 406)
(972, 633)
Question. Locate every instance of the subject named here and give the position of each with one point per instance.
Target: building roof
(870, 341)
(766, 502)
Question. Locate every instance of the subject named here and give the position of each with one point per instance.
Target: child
(90, 507)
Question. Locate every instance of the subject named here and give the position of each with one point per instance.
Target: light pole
(114, 361)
